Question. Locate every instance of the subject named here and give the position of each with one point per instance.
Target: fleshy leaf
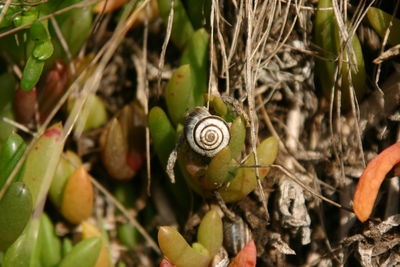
(221, 170)
(245, 180)
(196, 55)
(50, 245)
(77, 202)
(83, 254)
(238, 137)
(32, 72)
(15, 210)
(326, 36)
(10, 153)
(115, 151)
(178, 251)
(69, 161)
(210, 232)
(380, 20)
(42, 162)
(89, 230)
(179, 94)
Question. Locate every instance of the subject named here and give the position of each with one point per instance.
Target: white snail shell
(205, 133)
(236, 235)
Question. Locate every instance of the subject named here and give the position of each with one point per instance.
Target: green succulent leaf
(10, 153)
(162, 133)
(93, 114)
(199, 12)
(83, 254)
(238, 137)
(380, 21)
(23, 252)
(66, 246)
(43, 50)
(178, 251)
(32, 72)
(29, 16)
(128, 235)
(164, 138)
(200, 249)
(75, 36)
(210, 232)
(179, 94)
(7, 92)
(217, 104)
(245, 179)
(326, 36)
(41, 163)
(15, 210)
(221, 170)
(5, 128)
(50, 245)
(196, 55)
(38, 31)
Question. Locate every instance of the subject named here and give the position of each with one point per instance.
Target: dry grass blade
(250, 78)
(165, 45)
(388, 54)
(63, 43)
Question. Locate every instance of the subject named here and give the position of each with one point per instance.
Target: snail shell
(236, 235)
(206, 134)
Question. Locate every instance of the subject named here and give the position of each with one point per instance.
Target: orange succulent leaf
(371, 180)
(247, 257)
(77, 202)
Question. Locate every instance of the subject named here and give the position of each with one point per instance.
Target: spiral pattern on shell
(206, 134)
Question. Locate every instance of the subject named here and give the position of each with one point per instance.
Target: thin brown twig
(210, 72)
(165, 45)
(146, 102)
(280, 44)
(63, 44)
(308, 8)
(236, 32)
(250, 80)
(25, 3)
(223, 49)
(387, 54)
